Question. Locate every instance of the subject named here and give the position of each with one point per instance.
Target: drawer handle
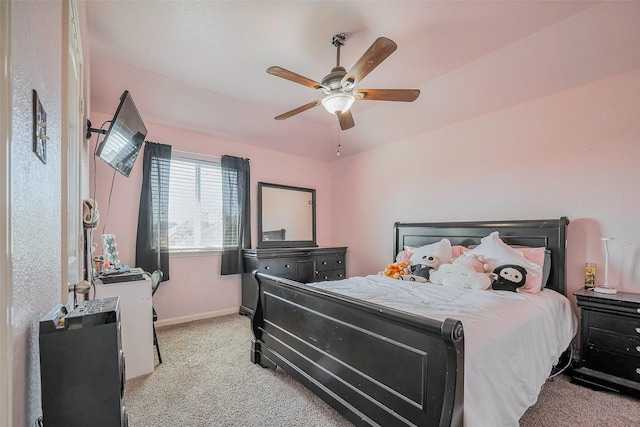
(324, 262)
(638, 309)
(267, 267)
(638, 348)
(340, 276)
(638, 330)
(325, 278)
(339, 261)
(287, 266)
(637, 370)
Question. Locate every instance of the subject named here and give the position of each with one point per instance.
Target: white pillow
(441, 250)
(497, 253)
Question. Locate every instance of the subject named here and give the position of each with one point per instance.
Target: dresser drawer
(622, 324)
(613, 364)
(329, 262)
(628, 345)
(329, 275)
(283, 267)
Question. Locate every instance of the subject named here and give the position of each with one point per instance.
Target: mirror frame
(286, 243)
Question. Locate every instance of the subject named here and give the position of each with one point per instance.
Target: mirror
(286, 216)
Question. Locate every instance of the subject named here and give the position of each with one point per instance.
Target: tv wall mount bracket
(90, 130)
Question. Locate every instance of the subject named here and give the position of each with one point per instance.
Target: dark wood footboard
(374, 365)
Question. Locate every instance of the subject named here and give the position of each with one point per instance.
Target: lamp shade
(338, 103)
(606, 288)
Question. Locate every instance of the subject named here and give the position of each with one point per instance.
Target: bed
(383, 365)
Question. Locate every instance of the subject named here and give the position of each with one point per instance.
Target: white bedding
(512, 340)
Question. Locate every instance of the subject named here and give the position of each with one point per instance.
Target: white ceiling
(201, 65)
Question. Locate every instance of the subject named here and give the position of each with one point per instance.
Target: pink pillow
(458, 250)
(533, 285)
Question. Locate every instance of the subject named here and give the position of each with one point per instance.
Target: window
(195, 205)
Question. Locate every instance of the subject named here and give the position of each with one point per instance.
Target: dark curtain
(152, 244)
(236, 218)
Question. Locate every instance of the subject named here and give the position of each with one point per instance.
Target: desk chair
(156, 278)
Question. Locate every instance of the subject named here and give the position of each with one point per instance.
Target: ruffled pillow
(534, 284)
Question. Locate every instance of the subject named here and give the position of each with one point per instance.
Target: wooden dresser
(300, 264)
(610, 341)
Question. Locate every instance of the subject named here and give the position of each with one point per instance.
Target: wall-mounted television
(122, 141)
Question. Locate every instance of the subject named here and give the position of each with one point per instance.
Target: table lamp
(606, 288)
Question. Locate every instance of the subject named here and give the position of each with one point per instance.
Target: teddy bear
(396, 269)
(402, 268)
(477, 262)
(460, 276)
(429, 257)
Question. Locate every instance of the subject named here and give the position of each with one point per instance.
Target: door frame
(6, 276)
(72, 241)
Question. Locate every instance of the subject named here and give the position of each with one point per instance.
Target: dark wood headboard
(550, 233)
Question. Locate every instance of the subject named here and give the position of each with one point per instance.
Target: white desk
(136, 316)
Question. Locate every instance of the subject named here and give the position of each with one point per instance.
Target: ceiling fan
(339, 86)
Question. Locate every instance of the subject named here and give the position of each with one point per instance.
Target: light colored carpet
(207, 379)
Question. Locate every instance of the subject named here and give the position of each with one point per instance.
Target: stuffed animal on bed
(477, 262)
(460, 276)
(396, 269)
(509, 277)
(425, 265)
(401, 269)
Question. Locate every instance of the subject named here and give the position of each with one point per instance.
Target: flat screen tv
(122, 142)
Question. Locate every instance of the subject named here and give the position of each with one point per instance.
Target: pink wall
(196, 287)
(572, 154)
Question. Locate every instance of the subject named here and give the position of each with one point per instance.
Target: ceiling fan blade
(298, 110)
(404, 95)
(378, 52)
(296, 78)
(346, 120)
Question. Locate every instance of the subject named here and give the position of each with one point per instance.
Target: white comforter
(512, 340)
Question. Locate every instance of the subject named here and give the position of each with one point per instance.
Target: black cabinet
(300, 264)
(610, 341)
(82, 367)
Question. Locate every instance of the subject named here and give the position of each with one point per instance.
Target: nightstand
(609, 341)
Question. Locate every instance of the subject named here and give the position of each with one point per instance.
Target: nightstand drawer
(614, 364)
(623, 344)
(621, 324)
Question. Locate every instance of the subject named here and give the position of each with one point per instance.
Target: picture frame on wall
(39, 129)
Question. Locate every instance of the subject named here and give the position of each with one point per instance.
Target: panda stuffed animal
(509, 277)
(425, 265)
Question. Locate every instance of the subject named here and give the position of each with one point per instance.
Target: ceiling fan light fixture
(338, 103)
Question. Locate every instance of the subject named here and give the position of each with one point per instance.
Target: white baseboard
(199, 316)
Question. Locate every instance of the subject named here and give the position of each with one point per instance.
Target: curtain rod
(189, 153)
